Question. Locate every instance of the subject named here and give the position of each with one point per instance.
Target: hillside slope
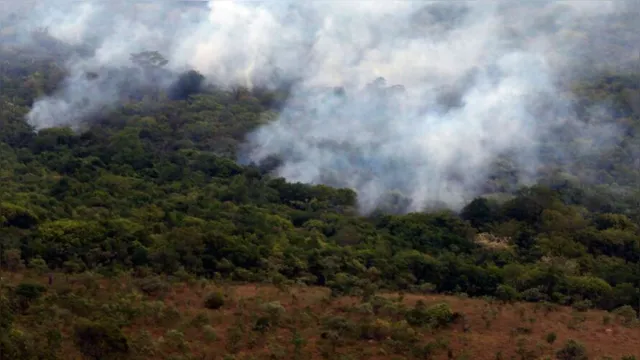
(170, 320)
(150, 188)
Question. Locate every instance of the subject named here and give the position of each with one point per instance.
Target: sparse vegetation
(260, 321)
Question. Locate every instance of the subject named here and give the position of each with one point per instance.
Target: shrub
(342, 326)
(7, 314)
(534, 295)
(627, 313)
(274, 309)
(429, 350)
(26, 293)
(582, 305)
(375, 330)
(342, 284)
(262, 324)
(200, 320)
(379, 304)
(39, 265)
(100, 341)
(152, 286)
(506, 293)
(521, 330)
(426, 288)
(209, 333)
(403, 332)
(551, 338)
(572, 350)
(547, 307)
(437, 315)
(176, 339)
(214, 300)
(29, 291)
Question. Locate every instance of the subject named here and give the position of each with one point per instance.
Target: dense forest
(150, 188)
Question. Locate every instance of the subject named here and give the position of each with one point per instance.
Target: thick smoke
(420, 97)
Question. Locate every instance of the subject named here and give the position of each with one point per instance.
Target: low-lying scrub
(93, 317)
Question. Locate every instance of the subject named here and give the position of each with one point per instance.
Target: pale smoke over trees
(419, 97)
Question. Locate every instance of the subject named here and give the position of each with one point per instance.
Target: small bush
(340, 325)
(551, 338)
(572, 350)
(152, 286)
(506, 293)
(577, 318)
(429, 350)
(364, 308)
(39, 265)
(627, 313)
(200, 320)
(262, 324)
(384, 306)
(534, 295)
(426, 288)
(273, 314)
(403, 333)
(582, 305)
(214, 300)
(522, 330)
(560, 298)
(175, 339)
(437, 315)
(29, 291)
(375, 330)
(100, 341)
(547, 307)
(209, 333)
(274, 309)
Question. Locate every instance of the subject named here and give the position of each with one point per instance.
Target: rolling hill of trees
(150, 188)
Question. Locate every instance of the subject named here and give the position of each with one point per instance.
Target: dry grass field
(164, 319)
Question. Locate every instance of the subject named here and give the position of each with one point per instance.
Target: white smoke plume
(410, 95)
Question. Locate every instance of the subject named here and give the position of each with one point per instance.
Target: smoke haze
(418, 97)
